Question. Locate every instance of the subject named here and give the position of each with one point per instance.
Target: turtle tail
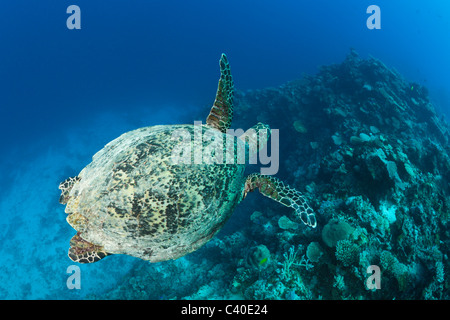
(65, 188)
(277, 190)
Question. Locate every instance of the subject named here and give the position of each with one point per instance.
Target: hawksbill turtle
(133, 199)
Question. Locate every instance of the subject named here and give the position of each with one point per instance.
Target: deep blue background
(148, 53)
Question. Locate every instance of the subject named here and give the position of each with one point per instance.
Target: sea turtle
(134, 199)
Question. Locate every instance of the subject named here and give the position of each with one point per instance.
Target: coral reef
(371, 154)
(334, 231)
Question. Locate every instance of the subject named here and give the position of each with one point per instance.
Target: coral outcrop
(369, 151)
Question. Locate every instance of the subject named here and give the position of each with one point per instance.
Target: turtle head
(256, 138)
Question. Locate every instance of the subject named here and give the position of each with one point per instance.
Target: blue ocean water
(65, 93)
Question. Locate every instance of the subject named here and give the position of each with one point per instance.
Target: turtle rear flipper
(275, 189)
(65, 188)
(222, 110)
(82, 251)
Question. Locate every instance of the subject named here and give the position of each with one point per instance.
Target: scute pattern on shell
(136, 201)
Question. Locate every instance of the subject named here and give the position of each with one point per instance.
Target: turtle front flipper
(275, 189)
(65, 188)
(222, 110)
(82, 251)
